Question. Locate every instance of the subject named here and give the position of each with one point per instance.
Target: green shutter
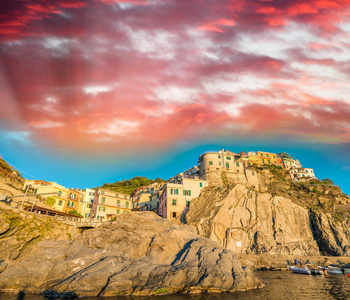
(201, 184)
(189, 192)
(184, 192)
(171, 191)
(227, 165)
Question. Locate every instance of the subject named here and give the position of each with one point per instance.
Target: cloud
(98, 74)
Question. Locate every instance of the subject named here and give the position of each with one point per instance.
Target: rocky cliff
(274, 213)
(138, 254)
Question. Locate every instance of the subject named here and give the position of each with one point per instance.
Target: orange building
(267, 158)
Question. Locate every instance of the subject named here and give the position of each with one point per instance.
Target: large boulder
(138, 253)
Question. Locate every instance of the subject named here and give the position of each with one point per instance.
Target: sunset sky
(100, 90)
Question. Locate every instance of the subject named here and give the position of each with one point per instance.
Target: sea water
(279, 285)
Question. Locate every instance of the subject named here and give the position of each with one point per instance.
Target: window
(253, 173)
(210, 163)
(201, 184)
(102, 192)
(227, 165)
(219, 156)
(103, 200)
(187, 203)
(60, 202)
(101, 208)
(117, 195)
(187, 193)
(173, 214)
(267, 155)
(307, 171)
(263, 161)
(237, 164)
(118, 211)
(174, 202)
(118, 201)
(176, 191)
(268, 161)
(59, 193)
(125, 197)
(274, 156)
(228, 157)
(127, 204)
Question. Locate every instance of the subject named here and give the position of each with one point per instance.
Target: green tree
(327, 181)
(50, 201)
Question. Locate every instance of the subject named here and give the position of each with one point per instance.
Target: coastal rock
(240, 218)
(332, 237)
(138, 253)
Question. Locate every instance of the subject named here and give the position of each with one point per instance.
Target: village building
(87, 202)
(67, 199)
(147, 198)
(177, 195)
(221, 160)
(250, 159)
(109, 203)
(289, 162)
(267, 158)
(302, 174)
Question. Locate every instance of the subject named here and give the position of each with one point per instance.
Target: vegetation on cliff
(21, 230)
(130, 185)
(316, 195)
(10, 175)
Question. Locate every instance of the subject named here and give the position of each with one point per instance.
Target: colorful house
(66, 199)
(289, 162)
(268, 158)
(176, 197)
(302, 174)
(109, 203)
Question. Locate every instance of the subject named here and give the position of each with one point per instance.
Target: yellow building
(66, 199)
(250, 159)
(146, 198)
(267, 158)
(109, 203)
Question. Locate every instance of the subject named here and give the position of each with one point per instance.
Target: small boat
(346, 271)
(316, 272)
(334, 271)
(305, 270)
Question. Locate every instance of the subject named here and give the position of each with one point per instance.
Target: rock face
(19, 231)
(332, 237)
(139, 254)
(239, 218)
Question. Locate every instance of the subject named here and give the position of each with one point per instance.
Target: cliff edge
(273, 215)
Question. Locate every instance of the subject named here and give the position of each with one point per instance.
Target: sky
(103, 90)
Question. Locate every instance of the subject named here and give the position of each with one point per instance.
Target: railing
(67, 218)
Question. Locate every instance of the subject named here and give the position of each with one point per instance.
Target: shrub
(50, 201)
